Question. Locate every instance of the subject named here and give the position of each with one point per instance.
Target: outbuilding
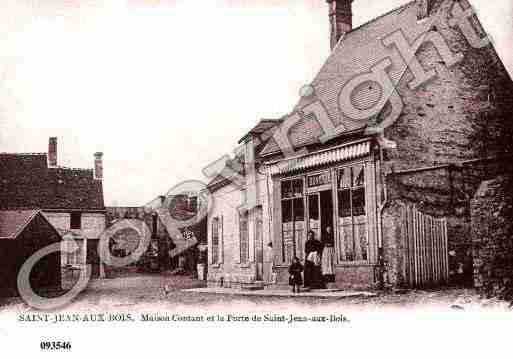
(23, 233)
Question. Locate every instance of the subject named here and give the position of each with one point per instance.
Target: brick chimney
(52, 152)
(423, 8)
(98, 166)
(341, 19)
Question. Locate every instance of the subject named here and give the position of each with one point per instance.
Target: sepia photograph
(259, 178)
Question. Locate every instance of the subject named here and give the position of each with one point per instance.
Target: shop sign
(320, 179)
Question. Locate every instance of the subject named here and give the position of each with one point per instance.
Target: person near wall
(295, 279)
(312, 272)
(328, 256)
(269, 270)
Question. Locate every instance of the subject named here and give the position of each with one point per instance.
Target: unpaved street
(156, 292)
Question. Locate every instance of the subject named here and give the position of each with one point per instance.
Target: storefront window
(293, 218)
(353, 244)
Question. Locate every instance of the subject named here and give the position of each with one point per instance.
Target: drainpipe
(381, 207)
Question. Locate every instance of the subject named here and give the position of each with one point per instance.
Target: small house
(23, 233)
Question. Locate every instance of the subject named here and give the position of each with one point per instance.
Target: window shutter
(278, 240)
(237, 238)
(243, 237)
(211, 243)
(215, 240)
(221, 240)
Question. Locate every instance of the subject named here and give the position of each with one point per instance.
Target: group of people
(319, 267)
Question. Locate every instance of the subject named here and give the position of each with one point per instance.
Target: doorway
(320, 212)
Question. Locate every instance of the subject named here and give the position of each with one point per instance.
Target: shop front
(333, 188)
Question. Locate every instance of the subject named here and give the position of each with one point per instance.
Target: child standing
(295, 279)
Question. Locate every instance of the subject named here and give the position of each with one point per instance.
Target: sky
(165, 87)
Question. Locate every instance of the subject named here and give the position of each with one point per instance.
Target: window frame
(354, 223)
(293, 198)
(73, 220)
(75, 259)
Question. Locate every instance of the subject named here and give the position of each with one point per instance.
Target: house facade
(70, 198)
(392, 170)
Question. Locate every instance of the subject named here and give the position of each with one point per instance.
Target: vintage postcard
(256, 178)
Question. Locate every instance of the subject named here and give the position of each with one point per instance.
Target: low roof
(262, 126)
(12, 223)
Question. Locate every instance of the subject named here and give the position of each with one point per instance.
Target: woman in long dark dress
(310, 247)
(312, 274)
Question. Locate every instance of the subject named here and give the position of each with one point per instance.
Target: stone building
(387, 146)
(70, 198)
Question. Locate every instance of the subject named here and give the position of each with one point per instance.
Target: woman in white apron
(328, 256)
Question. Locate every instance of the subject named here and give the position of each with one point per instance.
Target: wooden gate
(425, 241)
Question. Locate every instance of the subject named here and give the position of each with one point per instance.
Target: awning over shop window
(321, 158)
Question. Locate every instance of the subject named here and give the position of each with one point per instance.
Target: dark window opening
(76, 220)
(344, 203)
(299, 210)
(358, 202)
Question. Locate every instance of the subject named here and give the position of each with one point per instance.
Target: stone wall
(441, 192)
(447, 123)
(491, 237)
(446, 191)
(393, 248)
(444, 120)
(93, 224)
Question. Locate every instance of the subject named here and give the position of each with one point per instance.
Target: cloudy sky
(164, 87)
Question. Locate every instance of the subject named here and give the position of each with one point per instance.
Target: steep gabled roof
(12, 223)
(355, 54)
(27, 182)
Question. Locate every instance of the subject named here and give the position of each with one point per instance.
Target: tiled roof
(356, 52)
(12, 223)
(27, 182)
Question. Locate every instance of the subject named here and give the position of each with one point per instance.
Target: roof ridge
(72, 168)
(24, 153)
(34, 213)
(402, 7)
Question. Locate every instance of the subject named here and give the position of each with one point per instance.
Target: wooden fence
(425, 241)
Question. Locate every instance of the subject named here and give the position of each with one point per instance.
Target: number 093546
(48, 345)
